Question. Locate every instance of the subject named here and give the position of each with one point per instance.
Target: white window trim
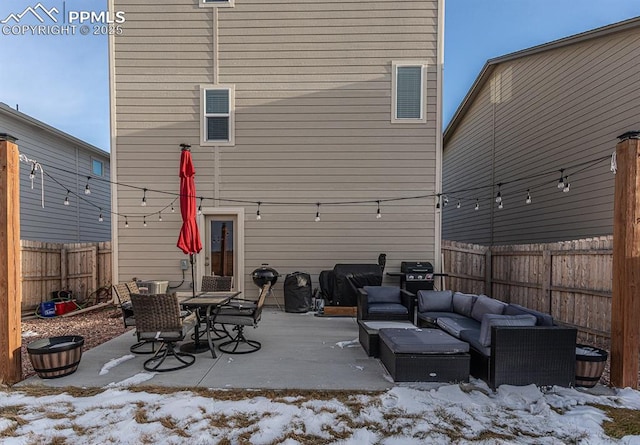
(394, 101)
(223, 4)
(232, 116)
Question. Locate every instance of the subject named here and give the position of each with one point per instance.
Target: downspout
(439, 71)
(113, 164)
(493, 170)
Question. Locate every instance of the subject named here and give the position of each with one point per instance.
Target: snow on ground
(405, 415)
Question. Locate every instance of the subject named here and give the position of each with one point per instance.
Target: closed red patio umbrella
(189, 239)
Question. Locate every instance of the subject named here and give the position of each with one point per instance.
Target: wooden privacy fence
(570, 280)
(49, 267)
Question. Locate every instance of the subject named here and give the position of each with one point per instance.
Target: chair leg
(137, 348)
(168, 349)
(239, 344)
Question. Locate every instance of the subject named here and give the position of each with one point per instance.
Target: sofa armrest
(363, 304)
(543, 355)
(408, 300)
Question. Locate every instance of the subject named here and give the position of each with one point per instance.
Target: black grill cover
(327, 284)
(349, 277)
(297, 292)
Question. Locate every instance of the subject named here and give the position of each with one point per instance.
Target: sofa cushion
(432, 317)
(463, 303)
(382, 294)
(388, 308)
(472, 336)
(435, 301)
(421, 341)
(455, 326)
(490, 320)
(486, 305)
(542, 318)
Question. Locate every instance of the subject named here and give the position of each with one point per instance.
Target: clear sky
(62, 80)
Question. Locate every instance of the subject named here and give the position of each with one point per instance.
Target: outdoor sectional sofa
(509, 344)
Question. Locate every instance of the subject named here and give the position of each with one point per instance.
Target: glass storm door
(221, 245)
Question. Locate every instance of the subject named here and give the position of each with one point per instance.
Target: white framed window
(217, 103)
(217, 3)
(408, 93)
(97, 167)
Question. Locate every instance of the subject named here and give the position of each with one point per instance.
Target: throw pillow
(542, 318)
(383, 294)
(486, 305)
(490, 320)
(435, 301)
(463, 303)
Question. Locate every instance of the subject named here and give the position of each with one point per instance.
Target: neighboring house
(293, 102)
(553, 106)
(69, 161)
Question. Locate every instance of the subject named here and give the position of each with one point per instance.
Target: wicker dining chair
(123, 293)
(216, 283)
(240, 317)
(158, 319)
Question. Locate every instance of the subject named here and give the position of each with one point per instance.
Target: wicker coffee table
(368, 333)
(424, 355)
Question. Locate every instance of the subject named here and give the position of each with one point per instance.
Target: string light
(100, 219)
(172, 209)
(378, 214)
(567, 186)
(66, 198)
(160, 216)
(477, 207)
(200, 206)
(561, 180)
(501, 205)
(143, 203)
(317, 219)
(528, 200)
(144, 221)
(258, 216)
(459, 204)
(87, 189)
(33, 171)
(499, 195)
(126, 222)
(445, 200)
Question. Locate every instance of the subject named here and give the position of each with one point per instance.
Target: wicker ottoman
(426, 355)
(368, 333)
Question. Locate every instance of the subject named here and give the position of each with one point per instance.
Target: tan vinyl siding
(567, 105)
(312, 123)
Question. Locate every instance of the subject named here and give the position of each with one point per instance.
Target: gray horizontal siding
(69, 164)
(313, 111)
(568, 105)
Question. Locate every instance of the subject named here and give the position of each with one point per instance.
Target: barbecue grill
(416, 275)
(263, 275)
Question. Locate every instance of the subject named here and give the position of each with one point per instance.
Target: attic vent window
(408, 84)
(217, 115)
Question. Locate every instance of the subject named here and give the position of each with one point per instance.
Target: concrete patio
(299, 351)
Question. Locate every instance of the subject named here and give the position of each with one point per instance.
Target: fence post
(63, 269)
(546, 280)
(488, 273)
(625, 305)
(10, 265)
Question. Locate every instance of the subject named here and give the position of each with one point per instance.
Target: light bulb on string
(160, 216)
(87, 189)
(561, 180)
(528, 200)
(258, 216)
(317, 218)
(172, 209)
(33, 172)
(100, 219)
(126, 222)
(459, 204)
(477, 207)
(499, 195)
(445, 200)
(501, 205)
(378, 213)
(143, 203)
(567, 186)
(200, 206)
(144, 221)
(66, 198)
